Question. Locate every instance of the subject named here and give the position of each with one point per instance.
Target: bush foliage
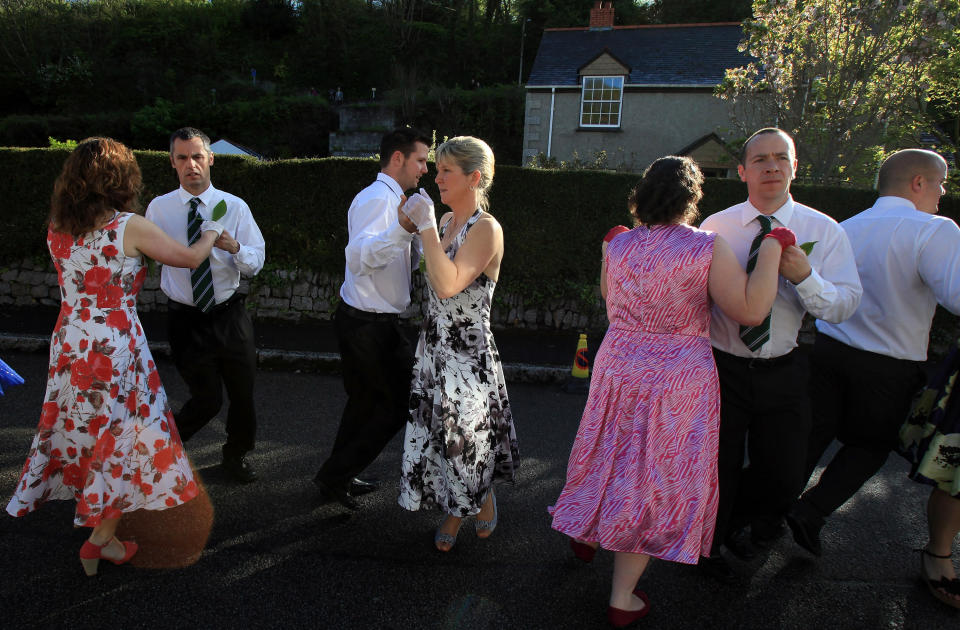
(553, 221)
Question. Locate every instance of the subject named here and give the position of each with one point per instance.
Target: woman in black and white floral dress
(460, 438)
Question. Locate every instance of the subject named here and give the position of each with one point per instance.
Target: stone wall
(295, 296)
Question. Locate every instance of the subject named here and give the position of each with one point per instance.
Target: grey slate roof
(688, 55)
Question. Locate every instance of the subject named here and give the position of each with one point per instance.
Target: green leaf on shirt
(219, 211)
(807, 247)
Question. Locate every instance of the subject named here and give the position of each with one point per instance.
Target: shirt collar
(783, 214)
(391, 183)
(892, 203)
(205, 197)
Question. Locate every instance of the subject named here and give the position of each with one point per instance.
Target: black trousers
(860, 398)
(214, 350)
(377, 364)
(764, 410)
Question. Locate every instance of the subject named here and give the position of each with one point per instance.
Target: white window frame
(600, 100)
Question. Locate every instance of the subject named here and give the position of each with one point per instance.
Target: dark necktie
(755, 336)
(200, 278)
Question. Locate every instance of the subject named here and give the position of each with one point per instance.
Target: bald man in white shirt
(865, 370)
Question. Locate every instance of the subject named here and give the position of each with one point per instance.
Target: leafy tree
(944, 106)
(848, 78)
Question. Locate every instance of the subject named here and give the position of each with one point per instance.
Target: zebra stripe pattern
(642, 474)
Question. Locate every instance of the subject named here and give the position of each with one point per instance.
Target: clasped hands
(794, 265)
(419, 209)
(224, 240)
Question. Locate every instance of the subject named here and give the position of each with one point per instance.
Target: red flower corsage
(784, 235)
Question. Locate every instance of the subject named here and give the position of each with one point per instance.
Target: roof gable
(605, 63)
(710, 150)
(685, 55)
(229, 147)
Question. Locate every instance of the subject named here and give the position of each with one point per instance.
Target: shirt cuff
(245, 256)
(811, 286)
(398, 234)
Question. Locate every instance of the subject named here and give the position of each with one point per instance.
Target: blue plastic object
(8, 376)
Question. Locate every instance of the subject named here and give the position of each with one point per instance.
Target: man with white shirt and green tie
(763, 381)
(210, 331)
(866, 369)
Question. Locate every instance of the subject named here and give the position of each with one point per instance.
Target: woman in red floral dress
(106, 436)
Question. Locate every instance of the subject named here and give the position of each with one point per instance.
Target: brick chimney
(601, 15)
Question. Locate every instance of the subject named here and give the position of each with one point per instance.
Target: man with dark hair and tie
(375, 356)
(763, 383)
(866, 370)
(210, 331)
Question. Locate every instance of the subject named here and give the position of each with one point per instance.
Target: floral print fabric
(106, 436)
(930, 438)
(460, 437)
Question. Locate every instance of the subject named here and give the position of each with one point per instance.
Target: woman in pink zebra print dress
(642, 474)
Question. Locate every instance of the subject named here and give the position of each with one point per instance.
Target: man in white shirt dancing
(763, 381)
(866, 369)
(375, 356)
(210, 331)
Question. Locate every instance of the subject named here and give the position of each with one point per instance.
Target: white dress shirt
(831, 291)
(380, 252)
(170, 211)
(908, 261)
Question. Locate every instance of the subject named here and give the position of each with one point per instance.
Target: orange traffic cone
(579, 380)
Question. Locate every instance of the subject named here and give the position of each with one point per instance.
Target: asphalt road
(279, 558)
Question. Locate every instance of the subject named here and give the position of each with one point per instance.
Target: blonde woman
(460, 437)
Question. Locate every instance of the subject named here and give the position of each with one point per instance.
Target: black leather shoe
(238, 468)
(805, 523)
(338, 494)
(765, 535)
(738, 543)
(360, 487)
(716, 567)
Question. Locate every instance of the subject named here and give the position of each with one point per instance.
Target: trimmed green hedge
(553, 221)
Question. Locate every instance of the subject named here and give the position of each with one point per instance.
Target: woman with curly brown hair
(642, 474)
(105, 437)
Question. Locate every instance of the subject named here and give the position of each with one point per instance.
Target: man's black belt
(179, 307)
(756, 362)
(367, 316)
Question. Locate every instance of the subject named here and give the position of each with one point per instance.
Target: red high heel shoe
(90, 554)
(582, 551)
(622, 618)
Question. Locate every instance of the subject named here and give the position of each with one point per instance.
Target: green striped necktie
(201, 279)
(755, 336)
